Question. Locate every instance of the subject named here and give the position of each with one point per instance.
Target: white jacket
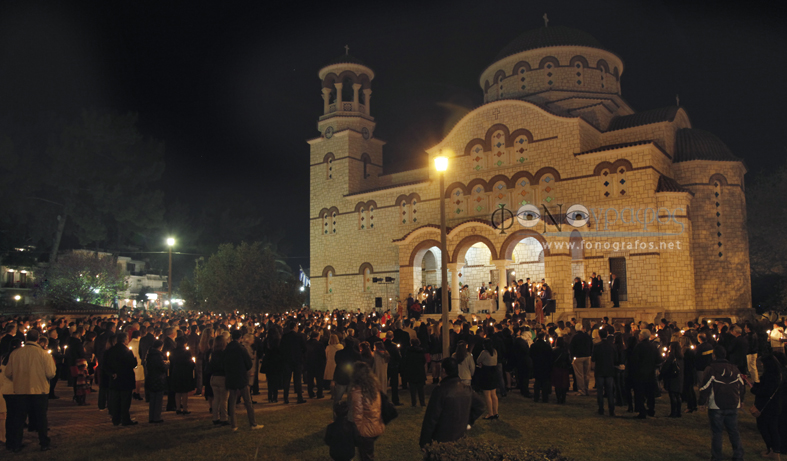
(30, 368)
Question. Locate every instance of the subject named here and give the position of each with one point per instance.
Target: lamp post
(441, 165)
(170, 244)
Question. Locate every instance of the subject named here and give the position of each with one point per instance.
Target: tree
(767, 226)
(92, 179)
(247, 277)
(83, 277)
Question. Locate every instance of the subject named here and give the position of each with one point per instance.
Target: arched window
(520, 150)
(366, 161)
(718, 188)
(329, 282)
(404, 209)
(500, 194)
(523, 194)
(367, 280)
(547, 189)
(333, 220)
(371, 217)
(413, 210)
(606, 182)
(362, 221)
(621, 179)
(325, 224)
(478, 200)
(329, 158)
(458, 202)
(347, 90)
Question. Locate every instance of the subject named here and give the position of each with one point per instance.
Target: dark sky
(232, 87)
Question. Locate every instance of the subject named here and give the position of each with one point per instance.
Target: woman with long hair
(621, 398)
(465, 362)
(365, 409)
(487, 362)
(273, 363)
(203, 349)
(367, 356)
(672, 372)
(330, 359)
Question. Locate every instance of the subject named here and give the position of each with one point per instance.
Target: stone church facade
(583, 184)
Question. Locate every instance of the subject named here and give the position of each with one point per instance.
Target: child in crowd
(340, 434)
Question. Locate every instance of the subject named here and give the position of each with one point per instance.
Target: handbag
(756, 412)
(387, 409)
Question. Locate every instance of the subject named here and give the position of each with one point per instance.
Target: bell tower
(346, 158)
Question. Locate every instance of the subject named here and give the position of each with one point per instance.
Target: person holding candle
(119, 364)
(182, 375)
(237, 364)
(156, 368)
(644, 360)
(218, 384)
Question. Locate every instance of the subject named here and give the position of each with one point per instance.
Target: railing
(347, 107)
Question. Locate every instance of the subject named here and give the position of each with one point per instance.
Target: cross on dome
(546, 20)
(346, 49)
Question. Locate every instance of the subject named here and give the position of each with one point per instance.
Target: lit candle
(167, 354)
(49, 351)
(194, 359)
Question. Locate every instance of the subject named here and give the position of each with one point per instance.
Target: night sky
(232, 87)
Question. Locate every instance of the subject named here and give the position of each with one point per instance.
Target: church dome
(694, 144)
(345, 59)
(548, 36)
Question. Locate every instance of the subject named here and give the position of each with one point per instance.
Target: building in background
(596, 187)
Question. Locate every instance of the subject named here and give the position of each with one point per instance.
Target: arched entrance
(474, 261)
(527, 261)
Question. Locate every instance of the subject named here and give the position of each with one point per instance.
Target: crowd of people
(364, 359)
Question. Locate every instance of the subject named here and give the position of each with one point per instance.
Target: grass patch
(295, 433)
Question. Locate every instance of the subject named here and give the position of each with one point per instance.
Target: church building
(554, 177)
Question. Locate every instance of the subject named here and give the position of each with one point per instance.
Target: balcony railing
(347, 107)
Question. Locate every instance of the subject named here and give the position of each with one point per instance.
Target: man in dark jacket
(100, 346)
(704, 355)
(541, 354)
(344, 358)
(738, 350)
(315, 364)
(604, 357)
(452, 407)
(721, 390)
(237, 364)
(169, 346)
(119, 364)
(642, 369)
(580, 348)
(523, 362)
(393, 366)
(156, 368)
(293, 348)
(145, 343)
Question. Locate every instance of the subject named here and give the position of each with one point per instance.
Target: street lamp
(441, 165)
(170, 244)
